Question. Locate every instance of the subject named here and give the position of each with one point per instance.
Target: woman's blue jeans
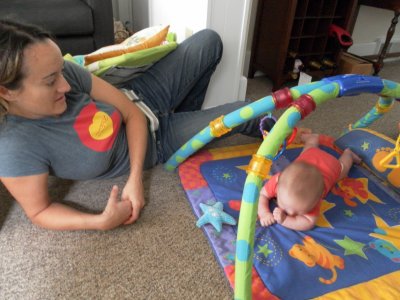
(175, 87)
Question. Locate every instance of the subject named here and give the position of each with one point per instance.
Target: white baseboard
(365, 49)
(374, 48)
(394, 46)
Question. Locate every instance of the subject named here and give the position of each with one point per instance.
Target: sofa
(79, 26)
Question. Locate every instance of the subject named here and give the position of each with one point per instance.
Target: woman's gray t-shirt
(87, 141)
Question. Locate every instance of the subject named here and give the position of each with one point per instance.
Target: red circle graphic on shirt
(96, 129)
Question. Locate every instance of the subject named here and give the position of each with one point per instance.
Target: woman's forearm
(58, 216)
(136, 132)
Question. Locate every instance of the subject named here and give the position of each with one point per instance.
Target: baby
(300, 187)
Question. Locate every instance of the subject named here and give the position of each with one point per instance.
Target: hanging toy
(279, 162)
(385, 162)
(266, 124)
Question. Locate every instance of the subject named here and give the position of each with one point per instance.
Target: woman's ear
(6, 93)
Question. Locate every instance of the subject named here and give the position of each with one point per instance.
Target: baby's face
(294, 206)
(290, 208)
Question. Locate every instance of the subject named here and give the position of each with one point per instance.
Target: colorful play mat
(352, 253)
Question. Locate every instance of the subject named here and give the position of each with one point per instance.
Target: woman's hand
(116, 212)
(134, 192)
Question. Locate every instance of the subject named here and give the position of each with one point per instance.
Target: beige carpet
(164, 255)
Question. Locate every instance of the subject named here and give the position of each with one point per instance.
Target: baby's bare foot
(355, 157)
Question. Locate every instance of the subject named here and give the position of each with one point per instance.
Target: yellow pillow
(143, 39)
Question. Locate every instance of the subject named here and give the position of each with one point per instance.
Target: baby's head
(300, 186)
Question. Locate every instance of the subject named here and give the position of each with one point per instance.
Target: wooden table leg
(379, 63)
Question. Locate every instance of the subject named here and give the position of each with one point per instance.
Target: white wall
(184, 16)
(370, 31)
(366, 31)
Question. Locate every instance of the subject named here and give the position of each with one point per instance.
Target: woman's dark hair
(14, 38)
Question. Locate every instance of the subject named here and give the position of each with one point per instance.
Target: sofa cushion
(47, 13)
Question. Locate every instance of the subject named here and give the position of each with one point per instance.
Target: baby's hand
(266, 219)
(279, 215)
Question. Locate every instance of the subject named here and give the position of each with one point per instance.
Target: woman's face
(42, 93)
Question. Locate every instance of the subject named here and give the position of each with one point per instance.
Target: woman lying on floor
(60, 120)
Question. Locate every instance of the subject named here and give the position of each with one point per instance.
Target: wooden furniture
(298, 27)
(393, 5)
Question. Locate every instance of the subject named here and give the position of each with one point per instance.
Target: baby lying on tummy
(301, 186)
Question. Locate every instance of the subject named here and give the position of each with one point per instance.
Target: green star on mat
(348, 213)
(214, 215)
(226, 176)
(264, 250)
(365, 146)
(351, 247)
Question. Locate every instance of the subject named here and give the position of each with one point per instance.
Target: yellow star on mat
(365, 146)
(390, 234)
(322, 221)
